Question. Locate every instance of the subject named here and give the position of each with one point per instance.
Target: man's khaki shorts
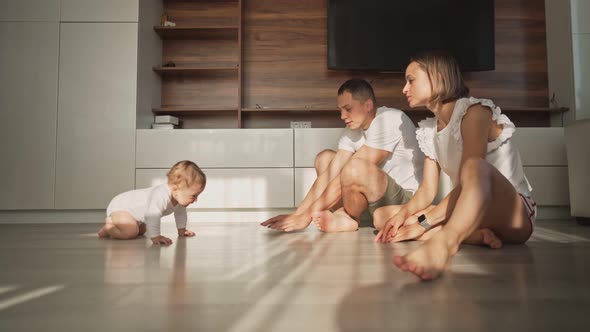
(394, 195)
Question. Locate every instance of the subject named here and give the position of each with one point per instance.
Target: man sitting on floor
(378, 163)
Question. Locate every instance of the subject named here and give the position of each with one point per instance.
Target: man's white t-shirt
(393, 131)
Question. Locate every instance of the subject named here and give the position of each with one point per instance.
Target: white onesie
(148, 206)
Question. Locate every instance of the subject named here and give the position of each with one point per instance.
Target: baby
(136, 212)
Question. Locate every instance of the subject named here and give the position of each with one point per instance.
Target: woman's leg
(122, 226)
(487, 201)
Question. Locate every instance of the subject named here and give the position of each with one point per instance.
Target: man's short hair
(360, 90)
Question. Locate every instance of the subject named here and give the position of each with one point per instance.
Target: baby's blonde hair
(186, 173)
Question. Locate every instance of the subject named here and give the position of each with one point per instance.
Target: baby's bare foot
(102, 232)
(328, 221)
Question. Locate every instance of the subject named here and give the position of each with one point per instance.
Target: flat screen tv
(382, 35)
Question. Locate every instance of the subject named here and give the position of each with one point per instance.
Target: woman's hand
(390, 228)
(408, 232)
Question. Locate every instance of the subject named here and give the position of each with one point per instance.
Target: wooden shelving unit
(222, 74)
(205, 49)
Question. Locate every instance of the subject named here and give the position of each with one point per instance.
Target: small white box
(166, 119)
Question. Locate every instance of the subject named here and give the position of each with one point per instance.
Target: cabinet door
(99, 10)
(96, 113)
(28, 110)
(29, 10)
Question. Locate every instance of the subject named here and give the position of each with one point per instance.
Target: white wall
(580, 11)
(559, 59)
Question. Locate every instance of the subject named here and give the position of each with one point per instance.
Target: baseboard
(554, 212)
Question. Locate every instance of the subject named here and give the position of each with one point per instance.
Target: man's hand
(185, 232)
(288, 223)
(161, 240)
(275, 219)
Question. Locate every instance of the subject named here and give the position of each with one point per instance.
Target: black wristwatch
(422, 221)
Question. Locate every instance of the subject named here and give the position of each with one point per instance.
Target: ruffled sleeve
(425, 137)
(501, 119)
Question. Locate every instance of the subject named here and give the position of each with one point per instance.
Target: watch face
(421, 218)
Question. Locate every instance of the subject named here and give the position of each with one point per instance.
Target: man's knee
(324, 158)
(353, 171)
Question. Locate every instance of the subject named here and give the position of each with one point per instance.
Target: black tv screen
(382, 35)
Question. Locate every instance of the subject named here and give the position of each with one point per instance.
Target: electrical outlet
(300, 124)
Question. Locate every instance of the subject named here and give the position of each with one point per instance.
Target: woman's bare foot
(102, 232)
(431, 259)
(328, 221)
(484, 237)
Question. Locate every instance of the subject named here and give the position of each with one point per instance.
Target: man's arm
(324, 193)
(324, 179)
(319, 185)
(333, 193)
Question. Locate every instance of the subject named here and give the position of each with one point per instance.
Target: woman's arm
(422, 199)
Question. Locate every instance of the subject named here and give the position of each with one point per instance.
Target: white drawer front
(550, 185)
(235, 188)
(309, 142)
(215, 148)
(541, 146)
(304, 178)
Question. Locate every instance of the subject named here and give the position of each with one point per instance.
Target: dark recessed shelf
(198, 32)
(196, 70)
(299, 110)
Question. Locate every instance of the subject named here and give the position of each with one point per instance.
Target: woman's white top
(446, 146)
(149, 205)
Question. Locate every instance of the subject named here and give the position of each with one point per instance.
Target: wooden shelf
(198, 32)
(188, 110)
(195, 70)
(297, 110)
(409, 110)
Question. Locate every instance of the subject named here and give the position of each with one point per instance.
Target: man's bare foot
(102, 232)
(429, 260)
(328, 221)
(484, 237)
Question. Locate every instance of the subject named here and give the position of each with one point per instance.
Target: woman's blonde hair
(186, 173)
(444, 75)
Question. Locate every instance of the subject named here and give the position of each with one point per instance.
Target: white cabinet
(245, 168)
(235, 188)
(29, 10)
(99, 10)
(223, 148)
(96, 114)
(28, 110)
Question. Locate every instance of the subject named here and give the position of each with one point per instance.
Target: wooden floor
(243, 277)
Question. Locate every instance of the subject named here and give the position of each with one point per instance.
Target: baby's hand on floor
(161, 240)
(185, 232)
